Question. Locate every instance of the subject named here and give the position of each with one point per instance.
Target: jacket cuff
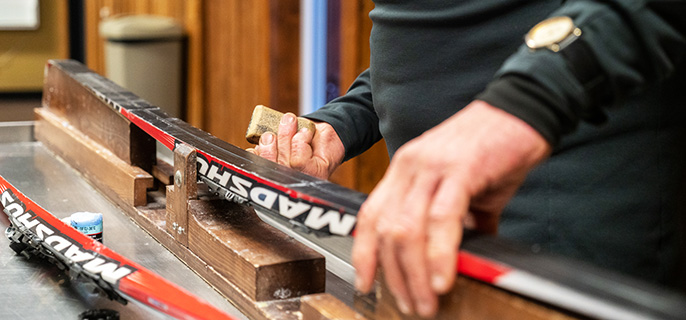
(528, 102)
(539, 88)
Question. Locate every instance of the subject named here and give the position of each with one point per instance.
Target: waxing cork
(265, 119)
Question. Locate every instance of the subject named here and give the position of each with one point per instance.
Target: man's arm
(462, 172)
(353, 117)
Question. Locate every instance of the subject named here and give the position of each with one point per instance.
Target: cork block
(265, 119)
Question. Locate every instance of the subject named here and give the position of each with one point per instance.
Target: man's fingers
(364, 253)
(446, 213)
(287, 128)
(411, 235)
(395, 279)
(402, 232)
(267, 147)
(412, 259)
(414, 268)
(367, 241)
(301, 149)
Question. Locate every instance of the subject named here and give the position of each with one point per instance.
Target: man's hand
(316, 153)
(459, 174)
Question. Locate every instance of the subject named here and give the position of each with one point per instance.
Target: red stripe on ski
(480, 268)
(142, 285)
(157, 134)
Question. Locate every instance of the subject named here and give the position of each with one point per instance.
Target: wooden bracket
(185, 188)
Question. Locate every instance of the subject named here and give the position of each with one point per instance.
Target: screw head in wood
(178, 178)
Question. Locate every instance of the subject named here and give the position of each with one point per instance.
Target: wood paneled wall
(243, 53)
(187, 12)
(251, 56)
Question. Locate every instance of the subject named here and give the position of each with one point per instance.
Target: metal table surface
(35, 289)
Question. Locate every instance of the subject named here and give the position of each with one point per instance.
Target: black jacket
(610, 194)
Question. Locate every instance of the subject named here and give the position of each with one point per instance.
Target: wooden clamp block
(260, 260)
(185, 188)
(265, 119)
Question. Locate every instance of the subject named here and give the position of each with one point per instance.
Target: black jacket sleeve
(636, 43)
(353, 117)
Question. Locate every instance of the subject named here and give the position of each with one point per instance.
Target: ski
(326, 209)
(34, 231)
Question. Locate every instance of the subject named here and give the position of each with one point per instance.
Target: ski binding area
(36, 232)
(553, 285)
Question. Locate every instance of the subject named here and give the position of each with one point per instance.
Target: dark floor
(18, 106)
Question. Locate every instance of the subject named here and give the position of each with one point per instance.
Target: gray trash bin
(143, 55)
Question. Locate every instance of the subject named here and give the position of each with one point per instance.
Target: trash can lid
(140, 27)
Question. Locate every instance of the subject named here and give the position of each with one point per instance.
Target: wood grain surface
(265, 263)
